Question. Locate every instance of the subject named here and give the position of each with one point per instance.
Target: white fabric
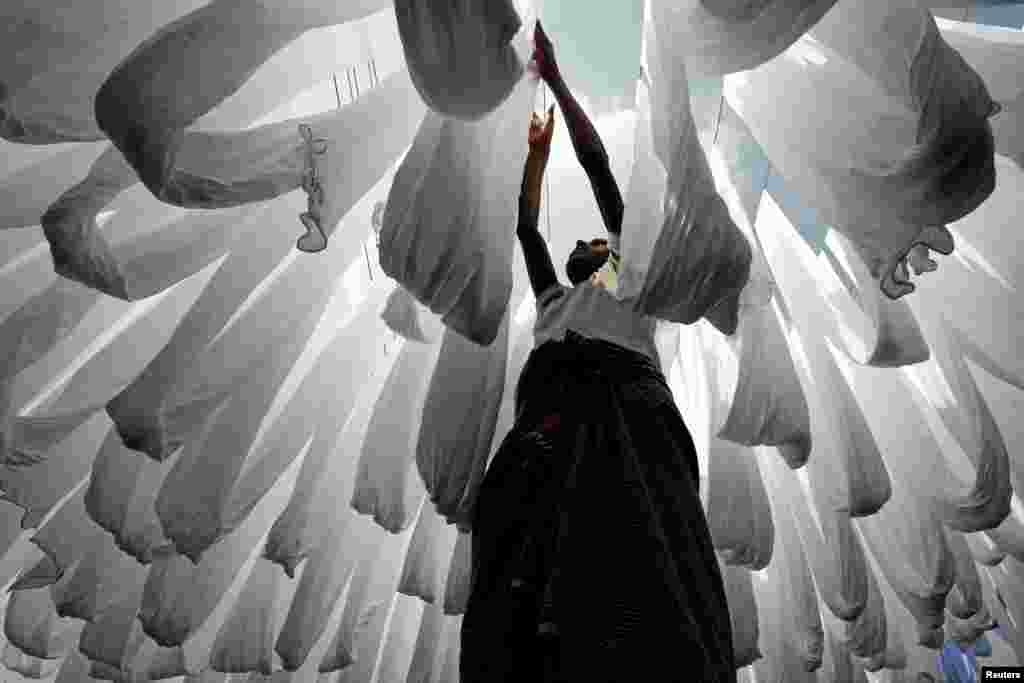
(354, 360)
(368, 603)
(725, 37)
(405, 316)
(982, 283)
(427, 653)
(766, 404)
(399, 645)
(995, 53)
(737, 510)
(166, 84)
(180, 596)
(781, 602)
(743, 613)
(682, 254)
(924, 572)
(388, 486)
(797, 595)
(196, 502)
(455, 255)
(55, 57)
(425, 571)
(26, 192)
(736, 503)
(460, 54)
(834, 554)
(909, 59)
(594, 313)
(459, 577)
(846, 470)
(451, 454)
(947, 388)
(873, 329)
(272, 393)
(758, 378)
(249, 165)
(966, 599)
(888, 181)
(139, 409)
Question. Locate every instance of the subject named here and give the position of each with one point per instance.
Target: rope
(721, 106)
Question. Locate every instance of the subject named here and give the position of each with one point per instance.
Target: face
(586, 259)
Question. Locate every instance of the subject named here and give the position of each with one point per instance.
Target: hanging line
(353, 93)
(337, 90)
(721, 106)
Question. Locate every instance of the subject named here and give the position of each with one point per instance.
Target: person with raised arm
(592, 558)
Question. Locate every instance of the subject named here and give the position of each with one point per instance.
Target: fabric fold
(460, 54)
(455, 255)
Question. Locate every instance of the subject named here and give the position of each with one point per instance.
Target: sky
(598, 52)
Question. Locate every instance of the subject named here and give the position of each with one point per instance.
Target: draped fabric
(724, 37)
(904, 100)
(227, 458)
(994, 53)
(459, 264)
(460, 55)
(698, 261)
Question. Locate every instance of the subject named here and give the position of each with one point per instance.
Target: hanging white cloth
(995, 53)
(55, 57)
(948, 172)
(743, 612)
(455, 254)
(881, 182)
(846, 470)
(873, 329)
(683, 256)
(724, 37)
(765, 401)
(460, 54)
(166, 84)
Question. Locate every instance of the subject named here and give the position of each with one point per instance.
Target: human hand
(541, 132)
(544, 55)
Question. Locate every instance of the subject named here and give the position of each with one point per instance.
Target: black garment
(592, 560)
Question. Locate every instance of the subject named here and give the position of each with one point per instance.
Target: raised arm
(590, 150)
(538, 258)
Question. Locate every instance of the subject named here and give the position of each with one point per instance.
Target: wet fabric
(455, 255)
(995, 53)
(601, 463)
(725, 37)
(166, 84)
(683, 256)
(460, 54)
(916, 147)
(284, 470)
